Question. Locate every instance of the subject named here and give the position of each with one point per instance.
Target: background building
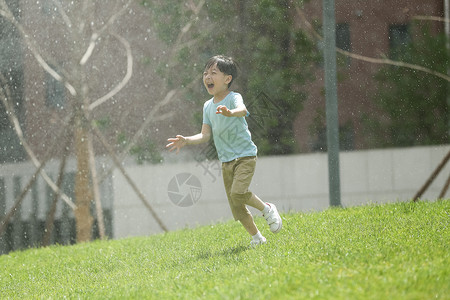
(369, 28)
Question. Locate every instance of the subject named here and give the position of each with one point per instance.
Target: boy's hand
(222, 109)
(177, 142)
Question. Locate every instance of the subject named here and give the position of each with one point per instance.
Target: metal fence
(28, 226)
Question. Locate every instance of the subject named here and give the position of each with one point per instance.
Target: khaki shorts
(237, 176)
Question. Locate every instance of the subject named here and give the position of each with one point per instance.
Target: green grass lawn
(394, 251)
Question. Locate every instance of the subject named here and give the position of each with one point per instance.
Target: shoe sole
(281, 221)
(278, 229)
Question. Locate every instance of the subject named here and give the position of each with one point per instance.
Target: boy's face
(215, 81)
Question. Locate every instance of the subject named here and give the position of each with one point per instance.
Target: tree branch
(18, 201)
(63, 14)
(98, 33)
(124, 81)
(5, 95)
(196, 10)
(49, 223)
(148, 119)
(127, 177)
(95, 188)
(84, 8)
(431, 18)
(89, 50)
(7, 14)
(22, 195)
(170, 95)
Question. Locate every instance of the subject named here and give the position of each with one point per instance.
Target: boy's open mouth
(210, 85)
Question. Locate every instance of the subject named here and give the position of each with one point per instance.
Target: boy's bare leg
(255, 202)
(249, 225)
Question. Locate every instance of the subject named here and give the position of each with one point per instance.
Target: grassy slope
(395, 251)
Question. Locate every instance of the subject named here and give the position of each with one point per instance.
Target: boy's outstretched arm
(240, 111)
(180, 141)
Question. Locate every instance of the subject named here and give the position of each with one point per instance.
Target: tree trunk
(83, 192)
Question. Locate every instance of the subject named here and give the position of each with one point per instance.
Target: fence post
(329, 30)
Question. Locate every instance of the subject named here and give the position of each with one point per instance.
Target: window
(343, 41)
(398, 39)
(10, 147)
(12, 72)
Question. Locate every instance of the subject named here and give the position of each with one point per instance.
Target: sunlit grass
(394, 251)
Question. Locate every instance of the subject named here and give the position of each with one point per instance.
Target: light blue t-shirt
(231, 135)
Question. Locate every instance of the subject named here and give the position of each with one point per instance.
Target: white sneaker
(255, 243)
(273, 218)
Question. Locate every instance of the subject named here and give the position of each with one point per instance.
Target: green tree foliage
(274, 57)
(413, 103)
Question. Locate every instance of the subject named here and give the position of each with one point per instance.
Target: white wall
(293, 183)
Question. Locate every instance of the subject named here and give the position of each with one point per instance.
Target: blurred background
(91, 90)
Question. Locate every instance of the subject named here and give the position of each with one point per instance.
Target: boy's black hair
(225, 64)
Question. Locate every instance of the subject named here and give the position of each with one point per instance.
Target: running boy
(224, 118)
